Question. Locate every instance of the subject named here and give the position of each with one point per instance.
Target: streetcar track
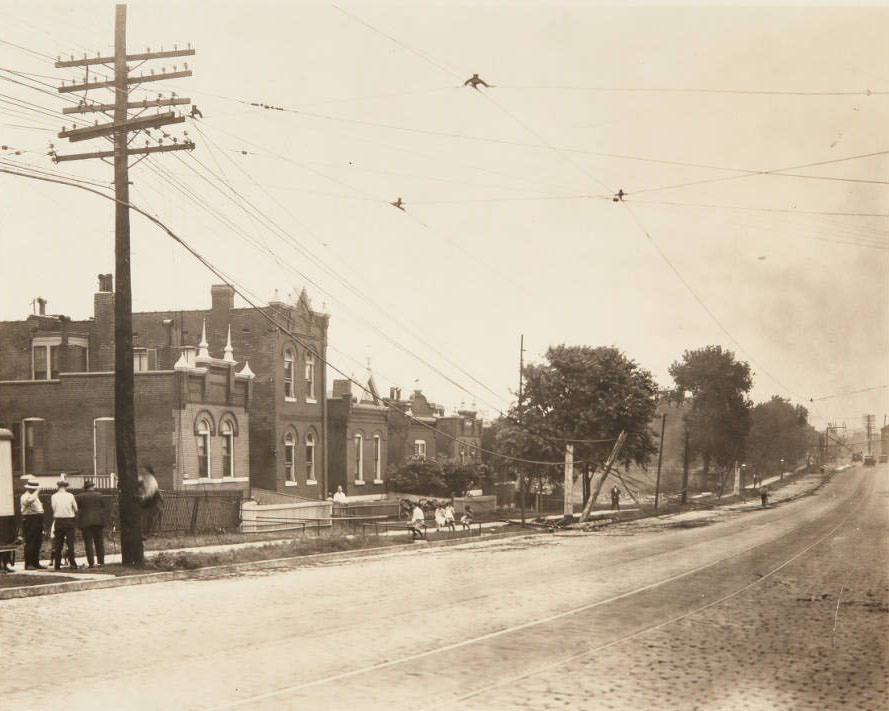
(557, 616)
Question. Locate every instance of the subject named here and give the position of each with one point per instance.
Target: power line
(694, 90)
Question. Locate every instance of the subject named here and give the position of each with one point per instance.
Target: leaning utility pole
(118, 130)
(660, 456)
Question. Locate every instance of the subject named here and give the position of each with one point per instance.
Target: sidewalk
(24, 583)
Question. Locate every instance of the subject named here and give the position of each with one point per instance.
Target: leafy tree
(778, 430)
(589, 395)
(719, 418)
(460, 478)
(585, 395)
(418, 476)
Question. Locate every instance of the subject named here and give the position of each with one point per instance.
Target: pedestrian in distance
(439, 517)
(32, 524)
(150, 500)
(91, 518)
(615, 498)
(764, 496)
(418, 523)
(340, 496)
(450, 516)
(64, 515)
(466, 518)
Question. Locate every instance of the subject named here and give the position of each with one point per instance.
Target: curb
(216, 571)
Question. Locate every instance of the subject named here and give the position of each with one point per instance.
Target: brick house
(459, 437)
(412, 423)
(202, 418)
(358, 439)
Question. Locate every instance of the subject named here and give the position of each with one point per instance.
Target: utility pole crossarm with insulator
(118, 131)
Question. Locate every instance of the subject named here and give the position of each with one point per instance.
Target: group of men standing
(86, 511)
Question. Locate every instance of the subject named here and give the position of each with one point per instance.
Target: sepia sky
(509, 225)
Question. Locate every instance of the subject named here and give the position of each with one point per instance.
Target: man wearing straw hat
(32, 523)
(64, 513)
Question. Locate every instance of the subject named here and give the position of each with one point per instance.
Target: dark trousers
(64, 528)
(32, 530)
(93, 535)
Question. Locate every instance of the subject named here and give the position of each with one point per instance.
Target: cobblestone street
(778, 608)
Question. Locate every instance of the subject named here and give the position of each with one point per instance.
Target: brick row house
(358, 443)
(421, 429)
(224, 398)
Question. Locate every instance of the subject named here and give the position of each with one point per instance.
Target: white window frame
(49, 342)
(378, 458)
(420, 448)
(227, 433)
(290, 447)
(310, 458)
(309, 373)
(25, 463)
(203, 436)
(358, 458)
(142, 357)
(289, 374)
(96, 444)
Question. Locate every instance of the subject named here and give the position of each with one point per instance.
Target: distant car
(869, 460)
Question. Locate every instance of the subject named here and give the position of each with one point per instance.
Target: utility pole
(118, 130)
(594, 490)
(568, 506)
(660, 454)
(683, 495)
(521, 477)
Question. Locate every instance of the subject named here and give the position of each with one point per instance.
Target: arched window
(289, 374)
(289, 452)
(310, 377)
(310, 456)
(202, 434)
(358, 464)
(227, 432)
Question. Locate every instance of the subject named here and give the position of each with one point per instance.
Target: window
(203, 444)
(467, 426)
(46, 356)
(310, 456)
(105, 455)
(227, 433)
(144, 359)
(359, 458)
(462, 454)
(420, 448)
(289, 447)
(34, 445)
(378, 453)
(310, 377)
(46, 362)
(289, 366)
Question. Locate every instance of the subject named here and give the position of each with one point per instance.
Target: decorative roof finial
(246, 372)
(203, 352)
(229, 351)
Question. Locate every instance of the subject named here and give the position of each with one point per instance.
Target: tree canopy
(719, 418)
(585, 395)
(778, 430)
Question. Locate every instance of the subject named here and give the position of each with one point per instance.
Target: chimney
(41, 306)
(105, 283)
(342, 388)
(223, 297)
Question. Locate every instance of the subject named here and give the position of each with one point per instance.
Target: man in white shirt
(64, 513)
(32, 523)
(340, 496)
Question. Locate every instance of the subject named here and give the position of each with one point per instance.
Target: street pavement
(781, 608)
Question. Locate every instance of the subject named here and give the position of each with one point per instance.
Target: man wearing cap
(64, 513)
(32, 523)
(91, 508)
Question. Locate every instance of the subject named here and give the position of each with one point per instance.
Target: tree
(418, 476)
(460, 478)
(719, 418)
(584, 395)
(778, 430)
